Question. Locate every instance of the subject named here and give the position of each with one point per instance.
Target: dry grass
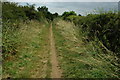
(32, 58)
(79, 59)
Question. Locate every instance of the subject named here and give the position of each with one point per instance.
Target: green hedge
(104, 26)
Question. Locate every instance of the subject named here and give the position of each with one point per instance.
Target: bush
(13, 16)
(65, 15)
(104, 26)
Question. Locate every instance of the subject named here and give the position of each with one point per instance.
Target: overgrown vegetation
(24, 40)
(87, 46)
(103, 26)
(13, 11)
(79, 58)
(102, 32)
(28, 59)
(13, 16)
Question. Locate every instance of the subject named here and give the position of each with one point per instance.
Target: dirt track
(56, 72)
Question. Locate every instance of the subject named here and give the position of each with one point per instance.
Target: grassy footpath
(77, 58)
(32, 57)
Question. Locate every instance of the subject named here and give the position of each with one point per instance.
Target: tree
(46, 13)
(66, 14)
(43, 9)
(55, 14)
(79, 15)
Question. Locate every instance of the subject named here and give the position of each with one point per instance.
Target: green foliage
(71, 17)
(13, 15)
(103, 26)
(46, 13)
(67, 14)
(78, 59)
(30, 12)
(13, 11)
(23, 38)
(43, 9)
(55, 14)
(23, 48)
(10, 38)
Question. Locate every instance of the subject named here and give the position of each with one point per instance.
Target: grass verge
(80, 59)
(32, 57)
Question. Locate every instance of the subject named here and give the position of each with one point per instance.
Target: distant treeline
(13, 11)
(13, 15)
(104, 26)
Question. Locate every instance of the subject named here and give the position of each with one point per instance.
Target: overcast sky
(82, 7)
(63, 0)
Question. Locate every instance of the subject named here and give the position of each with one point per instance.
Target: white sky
(60, 7)
(63, 0)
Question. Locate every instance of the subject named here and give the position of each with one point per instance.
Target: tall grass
(102, 32)
(26, 50)
(104, 26)
(81, 58)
